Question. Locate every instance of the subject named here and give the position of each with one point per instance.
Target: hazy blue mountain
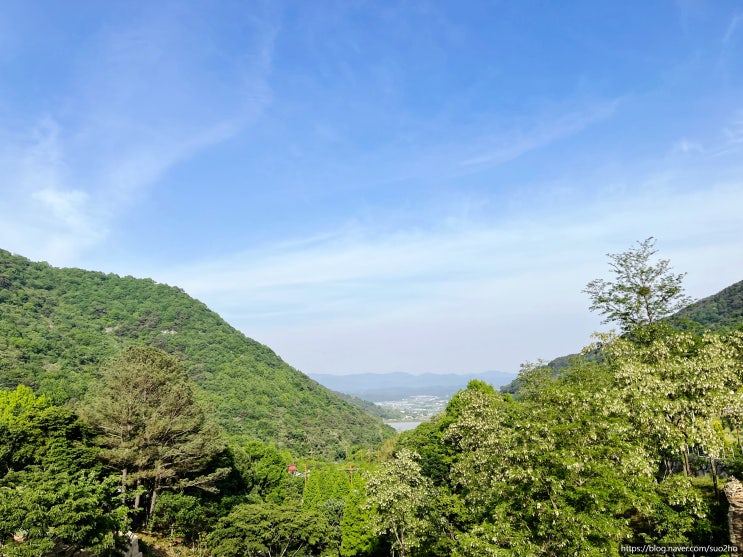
(378, 387)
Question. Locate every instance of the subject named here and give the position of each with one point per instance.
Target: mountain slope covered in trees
(58, 327)
(721, 311)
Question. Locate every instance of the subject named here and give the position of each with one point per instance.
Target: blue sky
(377, 186)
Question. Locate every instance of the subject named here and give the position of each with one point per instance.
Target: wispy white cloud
(732, 138)
(141, 102)
(732, 28)
(440, 151)
(43, 215)
(498, 280)
(506, 147)
(687, 146)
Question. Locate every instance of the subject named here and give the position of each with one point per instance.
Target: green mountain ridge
(58, 326)
(371, 407)
(718, 313)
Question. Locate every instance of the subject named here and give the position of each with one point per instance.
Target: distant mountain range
(380, 387)
(719, 312)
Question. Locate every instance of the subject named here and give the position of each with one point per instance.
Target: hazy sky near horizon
(377, 186)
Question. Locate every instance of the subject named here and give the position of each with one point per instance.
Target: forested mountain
(371, 407)
(721, 311)
(59, 326)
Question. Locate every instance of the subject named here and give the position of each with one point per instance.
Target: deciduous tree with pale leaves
(401, 500)
(643, 291)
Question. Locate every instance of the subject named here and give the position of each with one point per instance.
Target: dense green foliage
(267, 530)
(402, 501)
(582, 461)
(577, 464)
(151, 427)
(720, 312)
(58, 327)
(55, 498)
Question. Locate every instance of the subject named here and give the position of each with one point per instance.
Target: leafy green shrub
(179, 515)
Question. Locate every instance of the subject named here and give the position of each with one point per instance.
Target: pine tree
(150, 424)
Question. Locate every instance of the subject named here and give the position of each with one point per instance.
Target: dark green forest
(126, 405)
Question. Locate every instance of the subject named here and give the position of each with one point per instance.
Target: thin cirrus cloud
(488, 293)
(732, 29)
(130, 113)
(367, 275)
(556, 127)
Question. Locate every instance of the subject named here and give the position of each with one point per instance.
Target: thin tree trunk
(713, 468)
(152, 502)
(137, 496)
(685, 457)
(155, 491)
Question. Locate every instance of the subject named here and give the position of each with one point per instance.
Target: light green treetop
(642, 293)
(401, 500)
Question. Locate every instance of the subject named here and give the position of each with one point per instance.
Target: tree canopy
(642, 293)
(151, 426)
(268, 530)
(55, 499)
